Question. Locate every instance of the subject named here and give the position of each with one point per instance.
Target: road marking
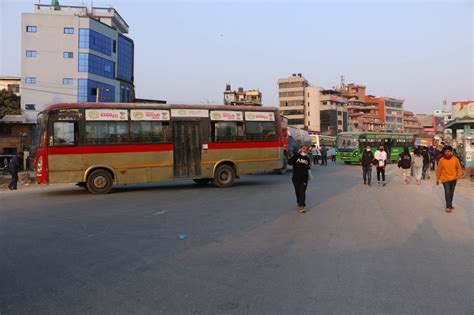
(159, 212)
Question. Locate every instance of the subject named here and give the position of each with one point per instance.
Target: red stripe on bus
(97, 149)
(243, 145)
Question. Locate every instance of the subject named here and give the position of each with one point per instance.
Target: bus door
(187, 149)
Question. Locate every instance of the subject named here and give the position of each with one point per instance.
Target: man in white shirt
(381, 157)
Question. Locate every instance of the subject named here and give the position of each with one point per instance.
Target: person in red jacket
(449, 171)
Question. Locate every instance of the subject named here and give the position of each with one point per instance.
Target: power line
(50, 92)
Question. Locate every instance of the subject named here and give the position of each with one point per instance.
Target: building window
(114, 46)
(13, 88)
(29, 106)
(6, 130)
(68, 30)
(30, 80)
(68, 81)
(93, 40)
(96, 65)
(87, 91)
(68, 55)
(31, 29)
(125, 58)
(31, 53)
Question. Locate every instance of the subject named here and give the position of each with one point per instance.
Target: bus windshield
(347, 142)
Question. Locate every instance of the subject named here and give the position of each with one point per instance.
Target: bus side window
(65, 133)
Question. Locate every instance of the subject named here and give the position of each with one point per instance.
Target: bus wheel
(202, 181)
(224, 176)
(283, 170)
(347, 162)
(99, 182)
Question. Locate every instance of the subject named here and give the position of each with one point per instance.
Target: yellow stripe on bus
(143, 165)
(245, 161)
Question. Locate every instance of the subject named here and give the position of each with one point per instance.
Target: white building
(446, 115)
(71, 54)
(300, 102)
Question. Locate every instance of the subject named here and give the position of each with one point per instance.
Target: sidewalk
(25, 180)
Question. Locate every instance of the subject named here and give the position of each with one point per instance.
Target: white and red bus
(97, 145)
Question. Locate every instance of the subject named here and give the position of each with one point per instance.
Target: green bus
(351, 144)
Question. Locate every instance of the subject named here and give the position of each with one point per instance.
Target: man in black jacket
(15, 165)
(426, 163)
(404, 162)
(367, 159)
(301, 166)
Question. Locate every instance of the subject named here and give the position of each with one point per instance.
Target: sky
(187, 51)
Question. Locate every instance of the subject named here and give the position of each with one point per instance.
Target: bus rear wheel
(224, 176)
(99, 182)
(202, 181)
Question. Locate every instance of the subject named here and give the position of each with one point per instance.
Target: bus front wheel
(99, 182)
(224, 176)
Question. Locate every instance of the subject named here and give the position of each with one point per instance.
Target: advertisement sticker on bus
(187, 112)
(226, 115)
(106, 114)
(150, 114)
(259, 116)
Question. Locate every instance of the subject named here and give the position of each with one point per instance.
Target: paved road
(359, 249)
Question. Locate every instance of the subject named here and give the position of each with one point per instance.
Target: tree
(9, 103)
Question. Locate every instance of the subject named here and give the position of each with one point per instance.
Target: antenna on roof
(343, 79)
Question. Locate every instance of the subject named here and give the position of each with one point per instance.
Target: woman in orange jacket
(449, 171)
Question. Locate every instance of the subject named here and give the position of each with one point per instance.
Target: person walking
(418, 165)
(324, 155)
(314, 154)
(15, 165)
(432, 153)
(404, 162)
(301, 167)
(426, 163)
(449, 171)
(381, 158)
(333, 154)
(366, 160)
(329, 154)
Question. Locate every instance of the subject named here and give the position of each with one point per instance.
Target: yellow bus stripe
(245, 161)
(143, 165)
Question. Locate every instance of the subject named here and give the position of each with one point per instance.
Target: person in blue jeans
(367, 159)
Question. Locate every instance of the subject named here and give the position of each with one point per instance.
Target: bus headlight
(39, 165)
(356, 153)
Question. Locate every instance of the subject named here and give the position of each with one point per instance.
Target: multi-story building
(242, 97)
(445, 115)
(411, 124)
(74, 54)
(300, 102)
(11, 84)
(393, 114)
(333, 112)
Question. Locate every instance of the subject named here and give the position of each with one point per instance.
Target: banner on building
(463, 109)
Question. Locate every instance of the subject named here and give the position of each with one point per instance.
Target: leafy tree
(9, 103)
